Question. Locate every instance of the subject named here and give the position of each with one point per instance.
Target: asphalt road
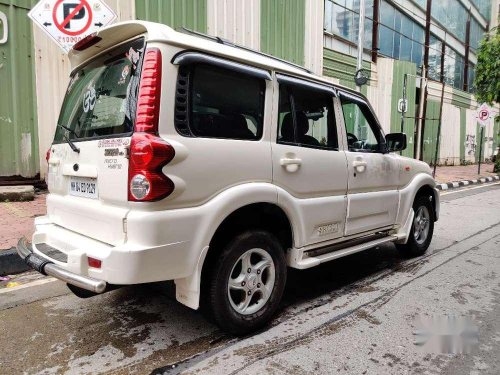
(356, 315)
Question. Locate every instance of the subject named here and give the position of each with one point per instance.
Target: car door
(308, 168)
(373, 174)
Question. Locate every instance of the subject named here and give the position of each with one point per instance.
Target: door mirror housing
(395, 142)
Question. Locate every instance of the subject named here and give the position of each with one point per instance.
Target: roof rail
(226, 42)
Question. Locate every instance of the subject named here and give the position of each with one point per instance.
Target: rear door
(88, 165)
(373, 175)
(307, 163)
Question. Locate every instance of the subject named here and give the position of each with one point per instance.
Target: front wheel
(422, 228)
(247, 282)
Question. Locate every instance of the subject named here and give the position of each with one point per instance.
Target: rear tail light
(148, 155)
(148, 152)
(94, 263)
(47, 155)
(148, 103)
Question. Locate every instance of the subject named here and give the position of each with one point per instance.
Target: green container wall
(400, 69)
(282, 29)
(191, 14)
(18, 125)
(430, 131)
(343, 67)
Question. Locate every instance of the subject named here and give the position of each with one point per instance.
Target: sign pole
(480, 150)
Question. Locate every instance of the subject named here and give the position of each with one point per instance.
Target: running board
(301, 260)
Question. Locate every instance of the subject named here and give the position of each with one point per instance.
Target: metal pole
(376, 12)
(480, 150)
(421, 115)
(361, 35)
(438, 141)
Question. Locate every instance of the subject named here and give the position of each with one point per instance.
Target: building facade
(401, 37)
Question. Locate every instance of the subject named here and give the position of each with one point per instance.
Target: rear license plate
(83, 187)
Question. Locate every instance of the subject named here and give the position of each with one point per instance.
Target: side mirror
(395, 142)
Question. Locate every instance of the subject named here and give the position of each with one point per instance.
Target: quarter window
(363, 133)
(222, 103)
(306, 118)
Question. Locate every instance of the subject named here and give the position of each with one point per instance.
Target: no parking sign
(69, 21)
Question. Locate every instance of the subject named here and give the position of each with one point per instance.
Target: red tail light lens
(47, 155)
(94, 263)
(148, 104)
(148, 152)
(148, 155)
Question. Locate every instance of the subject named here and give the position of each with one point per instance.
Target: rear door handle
(291, 164)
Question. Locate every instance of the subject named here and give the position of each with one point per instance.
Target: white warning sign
(69, 21)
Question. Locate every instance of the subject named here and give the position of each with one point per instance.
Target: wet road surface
(353, 315)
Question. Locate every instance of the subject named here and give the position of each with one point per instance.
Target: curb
(458, 184)
(11, 263)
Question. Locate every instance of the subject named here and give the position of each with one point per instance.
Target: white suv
(177, 157)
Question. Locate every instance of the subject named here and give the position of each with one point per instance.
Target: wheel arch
(263, 216)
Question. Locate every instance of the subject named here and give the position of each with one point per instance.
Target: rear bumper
(47, 267)
(127, 263)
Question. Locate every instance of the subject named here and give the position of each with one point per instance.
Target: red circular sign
(73, 13)
(484, 114)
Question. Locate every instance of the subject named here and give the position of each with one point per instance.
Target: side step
(301, 260)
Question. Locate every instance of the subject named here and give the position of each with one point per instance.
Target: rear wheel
(422, 228)
(247, 282)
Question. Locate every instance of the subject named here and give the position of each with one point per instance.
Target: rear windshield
(101, 97)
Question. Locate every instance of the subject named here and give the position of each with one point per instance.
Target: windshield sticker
(89, 99)
(125, 73)
(134, 56)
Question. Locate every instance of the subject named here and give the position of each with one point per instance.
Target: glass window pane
(313, 122)
(386, 38)
(362, 133)
(218, 115)
(386, 14)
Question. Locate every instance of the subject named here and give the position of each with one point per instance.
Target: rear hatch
(88, 161)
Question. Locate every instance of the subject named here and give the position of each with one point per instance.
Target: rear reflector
(94, 263)
(148, 104)
(87, 42)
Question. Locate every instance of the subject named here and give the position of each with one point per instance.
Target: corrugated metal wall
(191, 14)
(18, 135)
(282, 29)
(235, 20)
(402, 68)
(52, 72)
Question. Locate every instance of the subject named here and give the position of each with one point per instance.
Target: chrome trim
(25, 251)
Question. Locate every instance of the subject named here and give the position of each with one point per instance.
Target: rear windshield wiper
(66, 138)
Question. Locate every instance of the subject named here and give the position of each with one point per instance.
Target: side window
(222, 103)
(306, 118)
(363, 133)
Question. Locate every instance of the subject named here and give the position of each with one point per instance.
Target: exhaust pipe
(46, 267)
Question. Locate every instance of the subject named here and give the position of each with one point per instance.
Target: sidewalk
(459, 173)
(16, 220)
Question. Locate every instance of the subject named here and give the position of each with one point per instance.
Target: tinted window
(225, 104)
(306, 118)
(363, 133)
(101, 98)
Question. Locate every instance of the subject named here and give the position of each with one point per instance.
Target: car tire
(247, 282)
(421, 230)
